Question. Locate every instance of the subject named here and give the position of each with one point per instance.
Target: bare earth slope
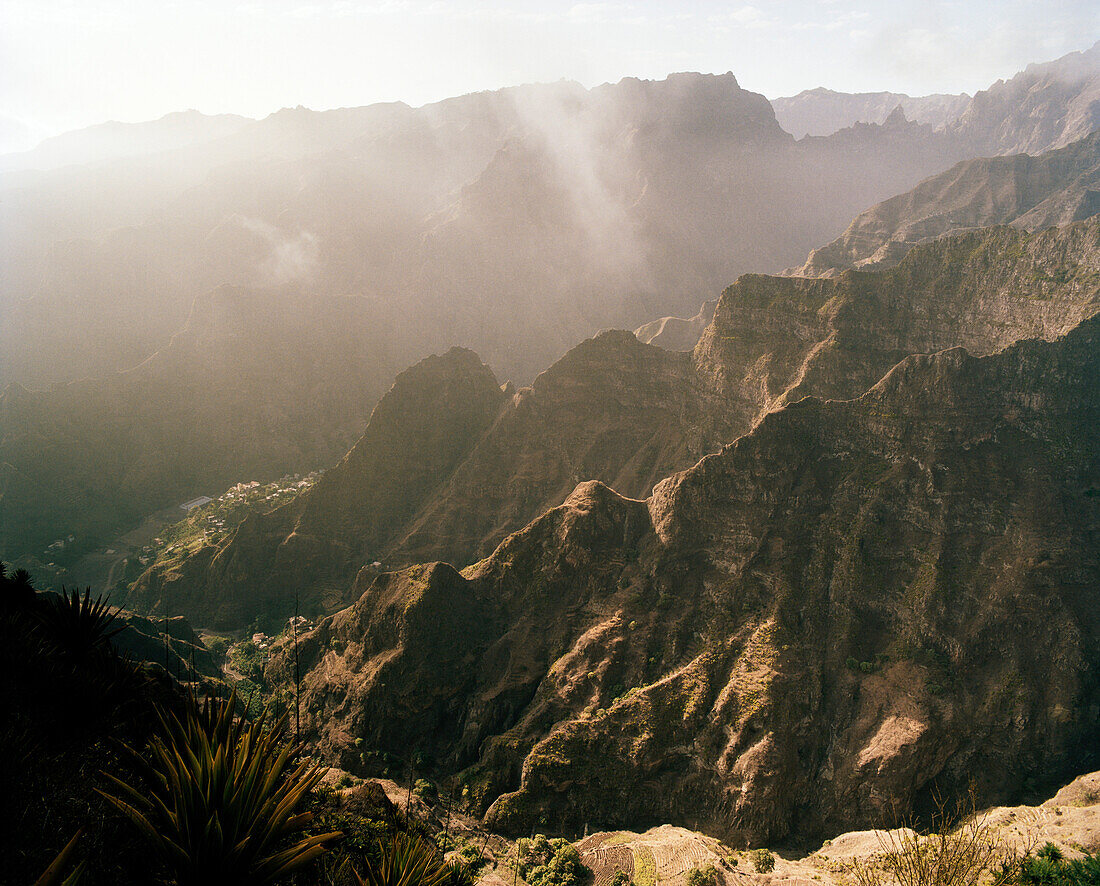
(624, 413)
(1070, 819)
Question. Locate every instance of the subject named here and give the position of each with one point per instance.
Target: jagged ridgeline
(451, 464)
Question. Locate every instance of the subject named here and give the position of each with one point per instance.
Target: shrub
(620, 878)
(1049, 867)
(763, 862)
(219, 648)
(962, 850)
(471, 857)
(78, 628)
(425, 790)
(408, 860)
(550, 862)
(249, 659)
(708, 876)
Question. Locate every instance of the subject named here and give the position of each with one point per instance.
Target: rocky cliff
(843, 610)
(450, 465)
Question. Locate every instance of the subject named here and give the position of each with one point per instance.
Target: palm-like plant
(408, 860)
(218, 798)
(78, 627)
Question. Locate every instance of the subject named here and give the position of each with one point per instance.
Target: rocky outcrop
(844, 609)
(416, 489)
(1030, 193)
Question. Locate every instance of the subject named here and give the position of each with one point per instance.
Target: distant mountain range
(1045, 106)
(822, 111)
(514, 223)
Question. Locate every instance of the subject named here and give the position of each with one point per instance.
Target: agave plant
(54, 875)
(217, 799)
(408, 860)
(78, 627)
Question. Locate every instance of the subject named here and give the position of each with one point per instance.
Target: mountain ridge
(629, 414)
(763, 551)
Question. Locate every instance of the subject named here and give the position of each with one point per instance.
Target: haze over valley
(653, 466)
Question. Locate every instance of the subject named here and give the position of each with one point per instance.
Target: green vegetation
(425, 790)
(212, 522)
(77, 628)
(408, 860)
(1049, 867)
(621, 878)
(707, 876)
(217, 798)
(763, 862)
(554, 862)
(645, 867)
(249, 660)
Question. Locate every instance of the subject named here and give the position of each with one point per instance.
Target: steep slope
(838, 612)
(628, 415)
(822, 111)
(516, 223)
(1027, 192)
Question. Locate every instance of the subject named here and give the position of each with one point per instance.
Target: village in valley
(166, 534)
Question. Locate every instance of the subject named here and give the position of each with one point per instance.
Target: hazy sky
(71, 63)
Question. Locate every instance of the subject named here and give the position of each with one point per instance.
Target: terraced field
(662, 855)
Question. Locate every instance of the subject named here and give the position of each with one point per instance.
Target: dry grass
(962, 849)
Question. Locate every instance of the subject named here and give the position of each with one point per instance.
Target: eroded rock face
(450, 464)
(841, 610)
